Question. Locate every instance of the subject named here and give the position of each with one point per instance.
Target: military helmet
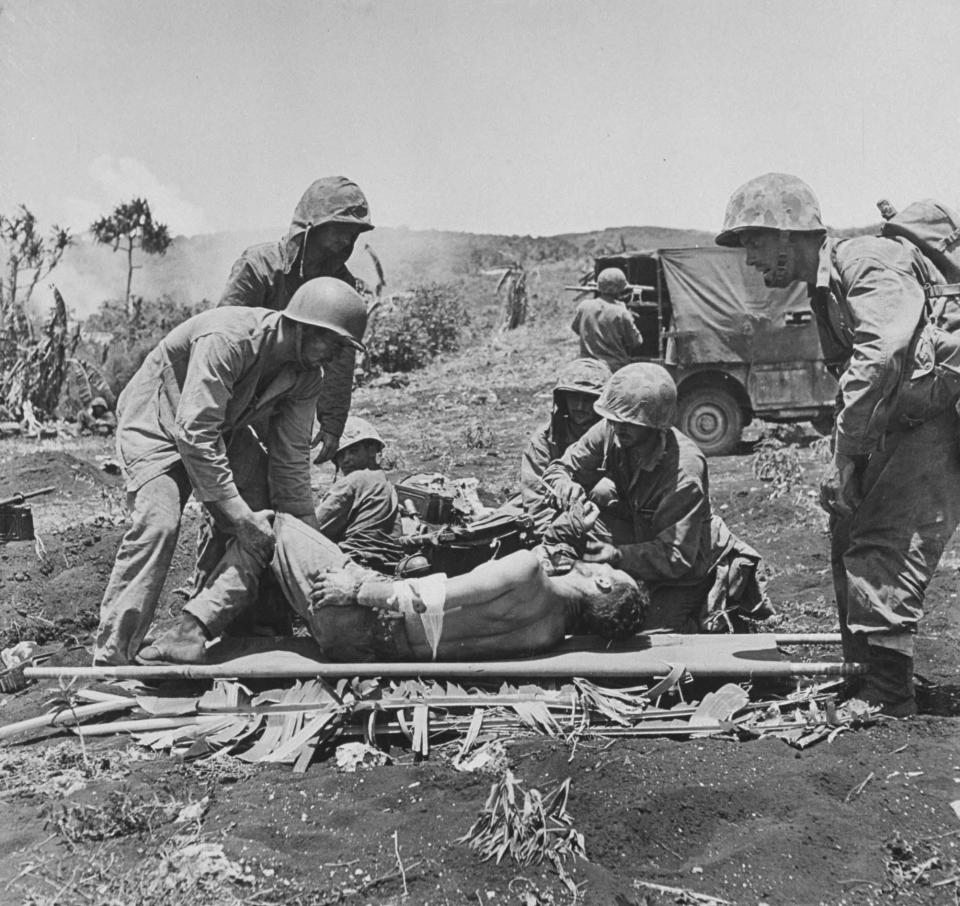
(774, 201)
(582, 376)
(333, 199)
(640, 394)
(356, 431)
(98, 401)
(611, 281)
(330, 303)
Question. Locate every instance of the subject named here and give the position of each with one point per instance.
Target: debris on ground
(293, 725)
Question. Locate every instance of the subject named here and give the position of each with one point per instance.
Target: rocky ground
(867, 818)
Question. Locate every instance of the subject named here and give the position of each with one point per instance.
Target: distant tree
(27, 258)
(132, 226)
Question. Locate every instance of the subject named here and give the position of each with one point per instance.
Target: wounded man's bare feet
(186, 643)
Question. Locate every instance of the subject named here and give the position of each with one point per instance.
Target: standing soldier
(604, 324)
(223, 407)
(893, 487)
(326, 222)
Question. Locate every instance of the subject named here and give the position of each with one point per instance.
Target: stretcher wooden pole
(586, 666)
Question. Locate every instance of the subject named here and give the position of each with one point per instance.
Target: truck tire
(711, 418)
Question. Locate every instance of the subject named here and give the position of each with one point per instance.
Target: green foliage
(408, 330)
(133, 336)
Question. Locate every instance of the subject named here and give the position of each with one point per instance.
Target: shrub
(409, 329)
(132, 337)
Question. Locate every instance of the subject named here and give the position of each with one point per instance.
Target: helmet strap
(303, 248)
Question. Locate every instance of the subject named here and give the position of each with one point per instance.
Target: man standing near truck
(893, 487)
(605, 325)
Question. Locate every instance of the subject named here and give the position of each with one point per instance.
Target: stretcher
(733, 656)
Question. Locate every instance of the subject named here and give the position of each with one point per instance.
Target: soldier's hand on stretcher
(333, 589)
(254, 532)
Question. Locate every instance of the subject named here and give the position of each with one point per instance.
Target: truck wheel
(712, 418)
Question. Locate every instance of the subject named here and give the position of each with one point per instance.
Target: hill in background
(196, 267)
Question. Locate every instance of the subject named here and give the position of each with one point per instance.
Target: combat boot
(889, 682)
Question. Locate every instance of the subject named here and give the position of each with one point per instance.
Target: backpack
(932, 227)
(935, 230)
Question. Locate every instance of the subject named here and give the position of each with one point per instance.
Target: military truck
(737, 349)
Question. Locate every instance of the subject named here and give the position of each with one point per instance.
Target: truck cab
(737, 349)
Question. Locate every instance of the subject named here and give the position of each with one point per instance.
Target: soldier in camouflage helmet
(893, 487)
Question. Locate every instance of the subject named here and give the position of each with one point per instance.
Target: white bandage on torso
(431, 592)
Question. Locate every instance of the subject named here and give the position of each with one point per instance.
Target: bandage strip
(425, 597)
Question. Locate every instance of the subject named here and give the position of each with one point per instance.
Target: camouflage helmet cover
(356, 431)
(582, 376)
(611, 281)
(774, 201)
(640, 394)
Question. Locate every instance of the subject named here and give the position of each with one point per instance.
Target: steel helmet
(330, 303)
(640, 394)
(98, 401)
(582, 376)
(774, 201)
(356, 431)
(611, 281)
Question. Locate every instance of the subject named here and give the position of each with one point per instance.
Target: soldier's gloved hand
(601, 552)
(255, 535)
(567, 492)
(334, 588)
(325, 445)
(840, 486)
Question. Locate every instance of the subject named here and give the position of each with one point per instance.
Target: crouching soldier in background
(359, 512)
(656, 506)
(578, 387)
(96, 419)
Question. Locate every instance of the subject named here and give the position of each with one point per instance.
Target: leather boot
(889, 682)
(186, 643)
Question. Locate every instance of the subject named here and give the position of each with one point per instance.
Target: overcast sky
(521, 116)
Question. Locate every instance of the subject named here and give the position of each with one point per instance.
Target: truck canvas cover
(723, 311)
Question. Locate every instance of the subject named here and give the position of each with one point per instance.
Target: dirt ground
(867, 818)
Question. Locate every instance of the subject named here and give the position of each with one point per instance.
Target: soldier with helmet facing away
(893, 486)
(604, 324)
(223, 407)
